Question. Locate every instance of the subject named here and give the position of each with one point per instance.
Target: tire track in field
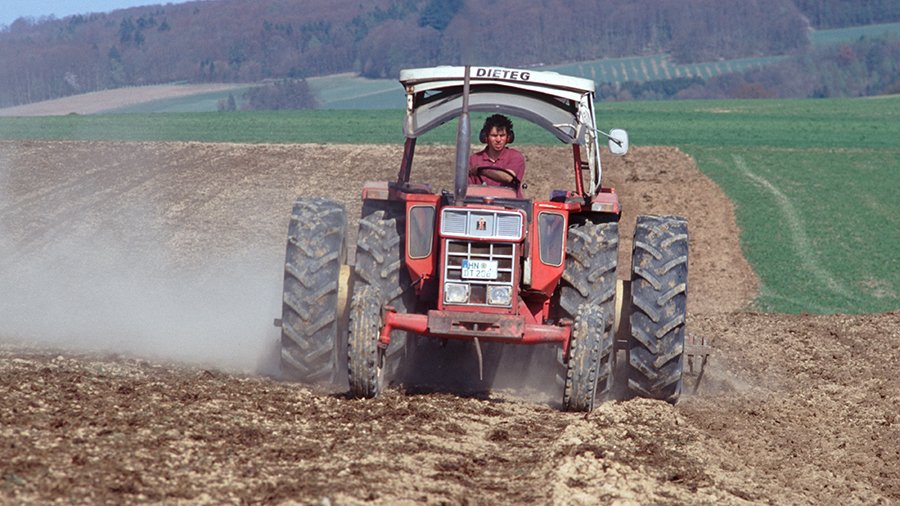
(801, 243)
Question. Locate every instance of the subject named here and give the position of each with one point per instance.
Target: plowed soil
(138, 361)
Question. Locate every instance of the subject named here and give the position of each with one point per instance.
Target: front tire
(589, 352)
(365, 362)
(659, 301)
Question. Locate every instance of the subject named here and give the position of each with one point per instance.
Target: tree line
(239, 41)
(865, 67)
(823, 14)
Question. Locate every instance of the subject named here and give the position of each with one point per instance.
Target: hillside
(237, 41)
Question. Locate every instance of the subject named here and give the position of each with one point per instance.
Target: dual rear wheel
(320, 341)
(311, 323)
(655, 343)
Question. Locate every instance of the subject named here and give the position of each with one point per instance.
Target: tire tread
(659, 301)
(309, 329)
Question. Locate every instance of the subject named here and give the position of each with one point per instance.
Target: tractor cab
(562, 105)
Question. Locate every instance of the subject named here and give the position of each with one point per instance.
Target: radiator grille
(503, 253)
(482, 223)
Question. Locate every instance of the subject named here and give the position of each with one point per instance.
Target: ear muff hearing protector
(486, 129)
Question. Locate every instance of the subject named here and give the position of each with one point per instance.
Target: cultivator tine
(480, 360)
(696, 348)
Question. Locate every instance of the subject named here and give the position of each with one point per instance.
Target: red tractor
(481, 264)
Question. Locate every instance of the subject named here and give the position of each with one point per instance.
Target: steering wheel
(515, 183)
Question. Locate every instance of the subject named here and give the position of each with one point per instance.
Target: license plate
(479, 269)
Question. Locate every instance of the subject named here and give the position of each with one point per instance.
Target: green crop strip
(821, 227)
(816, 185)
(314, 126)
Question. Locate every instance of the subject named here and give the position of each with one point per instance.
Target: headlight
(456, 293)
(499, 295)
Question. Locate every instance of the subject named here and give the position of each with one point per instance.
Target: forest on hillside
(239, 41)
(862, 68)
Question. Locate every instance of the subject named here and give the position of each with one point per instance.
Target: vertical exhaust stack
(463, 132)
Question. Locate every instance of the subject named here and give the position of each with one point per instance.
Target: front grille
(509, 225)
(503, 253)
(454, 223)
(482, 223)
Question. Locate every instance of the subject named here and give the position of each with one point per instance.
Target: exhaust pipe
(463, 132)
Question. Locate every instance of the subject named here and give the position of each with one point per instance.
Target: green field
(317, 126)
(201, 102)
(839, 35)
(349, 91)
(816, 183)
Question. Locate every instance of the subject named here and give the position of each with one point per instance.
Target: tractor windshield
(562, 105)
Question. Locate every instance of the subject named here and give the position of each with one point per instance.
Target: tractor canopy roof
(563, 105)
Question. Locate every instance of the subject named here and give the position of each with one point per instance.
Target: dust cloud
(77, 279)
(96, 297)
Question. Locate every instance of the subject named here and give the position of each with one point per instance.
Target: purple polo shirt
(509, 159)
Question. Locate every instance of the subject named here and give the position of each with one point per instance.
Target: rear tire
(310, 328)
(659, 276)
(365, 363)
(588, 294)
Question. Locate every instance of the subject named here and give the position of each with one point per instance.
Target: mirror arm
(608, 136)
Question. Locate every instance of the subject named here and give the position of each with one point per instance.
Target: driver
(497, 164)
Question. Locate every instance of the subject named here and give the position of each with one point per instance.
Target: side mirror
(618, 141)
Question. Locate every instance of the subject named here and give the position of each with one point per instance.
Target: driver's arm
(514, 166)
(499, 175)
